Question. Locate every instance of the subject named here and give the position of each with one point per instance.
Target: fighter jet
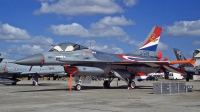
(196, 57)
(8, 80)
(9, 69)
(83, 63)
(189, 68)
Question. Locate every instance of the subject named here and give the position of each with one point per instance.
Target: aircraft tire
(133, 84)
(78, 87)
(54, 77)
(106, 84)
(14, 83)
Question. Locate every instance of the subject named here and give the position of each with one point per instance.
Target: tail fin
(152, 40)
(180, 56)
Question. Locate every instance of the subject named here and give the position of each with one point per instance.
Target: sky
(29, 27)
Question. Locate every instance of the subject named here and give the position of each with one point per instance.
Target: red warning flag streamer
(71, 71)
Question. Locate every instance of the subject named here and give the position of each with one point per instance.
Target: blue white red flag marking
(141, 76)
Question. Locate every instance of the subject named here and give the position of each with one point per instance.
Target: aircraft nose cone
(37, 59)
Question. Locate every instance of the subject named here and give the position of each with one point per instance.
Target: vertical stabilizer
(1, 58)
(179, 55)
(152, 40)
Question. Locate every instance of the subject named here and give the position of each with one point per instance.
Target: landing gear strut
(14, 78)
(131, 83)
(36, 78)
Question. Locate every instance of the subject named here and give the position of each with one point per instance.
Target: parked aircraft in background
(84, 63)
(8, 80)
(196, 56)
(189, 68)
(9, 69)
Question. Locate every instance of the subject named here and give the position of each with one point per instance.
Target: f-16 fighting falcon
(9, 69)
(190, 69)
(83, 63)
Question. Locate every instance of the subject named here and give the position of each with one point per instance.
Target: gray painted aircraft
(190, 69)
(196, 57)
(10, 69)
(83, 63)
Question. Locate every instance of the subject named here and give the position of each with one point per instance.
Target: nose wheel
(78, 87)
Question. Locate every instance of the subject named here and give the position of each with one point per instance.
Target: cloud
(25, 49)
(4, 54)
(162, 47)
(184, 28)
(111, 21)
(77, 7)
(135, 43)
(77, 30)
(73, 29)
(130, 3)
(196, 43)
(11, 33)
(106, 27)
(41, 40)
(103, 47)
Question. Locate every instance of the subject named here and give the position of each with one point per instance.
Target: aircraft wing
(165, 64)
(127, 62)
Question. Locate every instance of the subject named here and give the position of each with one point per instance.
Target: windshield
(66, 47)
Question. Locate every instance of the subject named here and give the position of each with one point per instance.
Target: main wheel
(106, 84)
(14, 83)
(78, 87)
(33, 83)
(133, 84)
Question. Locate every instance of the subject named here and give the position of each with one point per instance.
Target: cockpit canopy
(66, 47)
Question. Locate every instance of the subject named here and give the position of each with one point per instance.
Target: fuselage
(92, 58)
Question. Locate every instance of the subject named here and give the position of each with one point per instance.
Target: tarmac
(54, 96)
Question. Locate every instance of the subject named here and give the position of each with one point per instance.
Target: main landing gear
(131, 83)
(106, 84)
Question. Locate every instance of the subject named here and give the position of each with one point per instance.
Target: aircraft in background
(9, 69)
(83, 63)
(196, 57)
(190, 69)
(8, 80)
